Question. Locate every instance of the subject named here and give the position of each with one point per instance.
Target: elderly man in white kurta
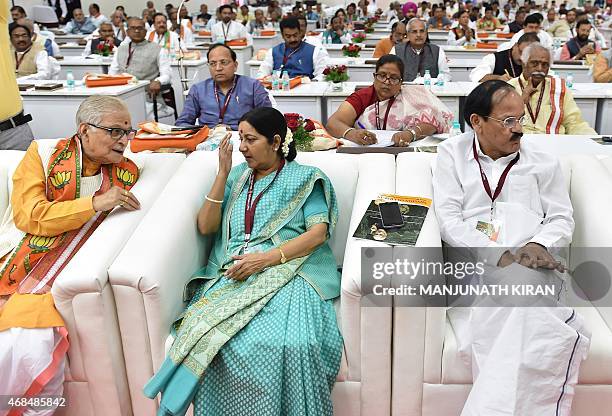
(493, 191)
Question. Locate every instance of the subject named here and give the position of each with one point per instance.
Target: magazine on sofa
(413, 211)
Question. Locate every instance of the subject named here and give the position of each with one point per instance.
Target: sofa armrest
(592, 239)
(163, 253)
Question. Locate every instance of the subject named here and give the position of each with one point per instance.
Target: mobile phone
(606, 139)
(391, 215)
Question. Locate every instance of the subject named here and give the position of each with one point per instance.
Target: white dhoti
(524, 360)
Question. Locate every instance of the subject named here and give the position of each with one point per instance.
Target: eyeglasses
(116, 133)
(510, 122)
(223, 63)
(387, 79)
(137, 28)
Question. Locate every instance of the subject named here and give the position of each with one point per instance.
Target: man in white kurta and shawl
(493, 191)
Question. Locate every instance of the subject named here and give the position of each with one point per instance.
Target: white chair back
(44, 15)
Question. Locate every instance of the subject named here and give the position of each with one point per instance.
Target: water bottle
(569, 80)
(275, 81)
(455, 130)
(427, 79)
(70, 80)
(285, 81)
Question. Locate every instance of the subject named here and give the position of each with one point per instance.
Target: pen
(361, 126)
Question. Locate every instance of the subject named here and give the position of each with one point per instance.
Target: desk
(335, 51)
(68, 38)
(305, 99)
(266, 42)
(54, 112)
(358, 69)
(71, 50)
(460, 52)
(80, 66)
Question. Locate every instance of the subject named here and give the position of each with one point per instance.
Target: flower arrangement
(336, 73)
(359, 37)
(301, 129)
(352, 50)
(105, 48)
(369, 24)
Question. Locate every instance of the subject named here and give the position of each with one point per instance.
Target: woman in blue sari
(259, 335)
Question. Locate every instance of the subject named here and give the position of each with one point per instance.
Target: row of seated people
(264, 275)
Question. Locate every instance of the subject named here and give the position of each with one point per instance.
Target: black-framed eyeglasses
(386, 78)
(116, 133)
(137, 28)
(510, 122)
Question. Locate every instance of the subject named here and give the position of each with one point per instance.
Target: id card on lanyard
(228, 97)
(491, 229)
(377, 110)
(251, 206)
(287, 57)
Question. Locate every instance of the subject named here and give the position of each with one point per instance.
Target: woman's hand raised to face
(225, 155)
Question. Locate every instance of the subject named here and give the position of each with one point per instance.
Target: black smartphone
(606, 139)
(391, 215)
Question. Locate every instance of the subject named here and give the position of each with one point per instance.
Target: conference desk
(194, 70)
(53, 112)
(335, 51)
(81, 66)
(71, 49)
(69, 38)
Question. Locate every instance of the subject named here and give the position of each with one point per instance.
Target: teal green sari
(269, 343)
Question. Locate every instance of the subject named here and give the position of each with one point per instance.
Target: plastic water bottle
(455, 130)
(569, 80)
(285, 81)
(427, 79)
(275, 81)
(70, 80)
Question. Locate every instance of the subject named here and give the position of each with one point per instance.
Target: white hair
(535, 46)
(95, 107)
(412, 21)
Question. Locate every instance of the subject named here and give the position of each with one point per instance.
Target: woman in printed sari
(259, 335)
(62, 191)
(412, 110)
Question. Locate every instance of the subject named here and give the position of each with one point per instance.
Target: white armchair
(96, 382)
(149, 275)
(429, 378)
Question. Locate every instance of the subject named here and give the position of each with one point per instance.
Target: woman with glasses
(259, 336)
(224, 97)
(62, 191)
(412, 110)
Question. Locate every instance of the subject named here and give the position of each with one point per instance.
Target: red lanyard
(286, 57)
(534, 117)
(250, 206)
(226, 32)
(130, 53)
(384, 127)
(228, 97)
(19, 60)
(485, 181)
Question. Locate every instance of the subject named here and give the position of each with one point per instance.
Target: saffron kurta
(558, 113)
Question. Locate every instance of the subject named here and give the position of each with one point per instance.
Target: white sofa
(429, 378)
(149, 274)
(96, 382)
